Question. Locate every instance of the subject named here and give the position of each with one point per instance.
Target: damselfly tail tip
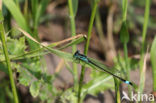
(128, 82)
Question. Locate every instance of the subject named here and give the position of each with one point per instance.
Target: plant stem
(73, 32)
(86, 48)
(2, 36)
(146, 17)
(127, 68)
(117, 91)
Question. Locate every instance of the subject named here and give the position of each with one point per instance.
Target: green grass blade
(16, 13)
(153, 60)
(34, 6)
(40, 10)
(75, 6)
(146, 18)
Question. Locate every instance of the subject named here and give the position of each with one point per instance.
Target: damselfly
(85, 59)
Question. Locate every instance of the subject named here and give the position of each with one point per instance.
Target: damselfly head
(76, 53)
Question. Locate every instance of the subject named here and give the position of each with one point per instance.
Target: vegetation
(23, 52)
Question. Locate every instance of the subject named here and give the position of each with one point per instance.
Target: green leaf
(16, 13)
(34, 6)
(75, 6)
(47, 93)
(16, 47)
(34, 88)
(29, 70)
(124, 35)
(24, 81)
(153, 62)
(25, 77)
(68, 97)
(153, 54)
(39, 11)
(19, 18)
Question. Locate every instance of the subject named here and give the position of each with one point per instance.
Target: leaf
(31, 73)
(34, 88)
(16, 13)
(124, 35)
(34, 6)
(16, 47)
(24, 81)
(153, 54)
(41, 8)
(25, 76)
(68, 97)
(19, 18)
(153, 62)
(47, 92)
(75, 6)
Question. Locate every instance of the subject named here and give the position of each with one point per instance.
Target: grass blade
(34, 6)
(75, 6)
(40, 9)
(145, 25)
(153, 59)
(16, 13)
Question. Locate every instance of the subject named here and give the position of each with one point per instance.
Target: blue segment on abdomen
(127, 82)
